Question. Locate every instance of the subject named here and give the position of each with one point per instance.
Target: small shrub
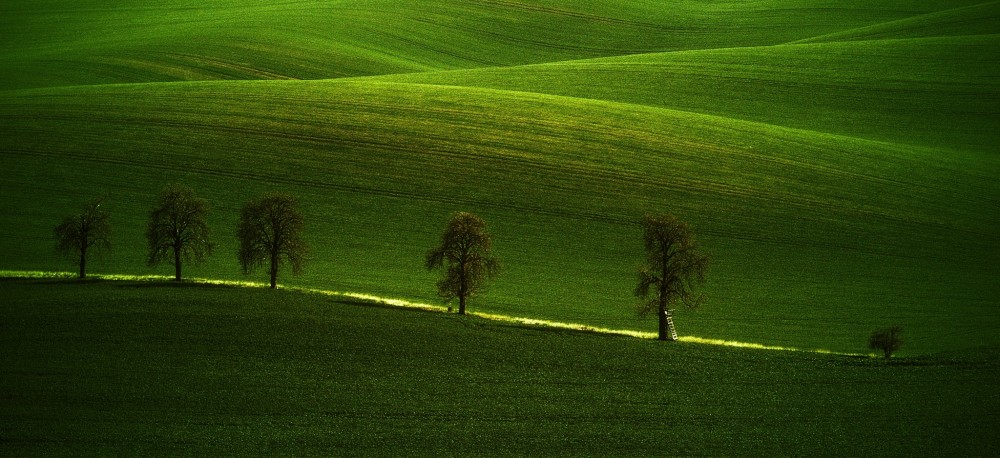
(888, 340)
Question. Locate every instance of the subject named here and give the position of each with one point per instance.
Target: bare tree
(674, 267)
(465, 249)
(178, 229)
(888, 340)
(84, 233)
(270, 231)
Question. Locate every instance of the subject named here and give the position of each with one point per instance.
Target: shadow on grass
(171, 284)
(54, 280)
(896, 361)
(472, 321)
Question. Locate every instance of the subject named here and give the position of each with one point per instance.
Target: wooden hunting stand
(670, 324)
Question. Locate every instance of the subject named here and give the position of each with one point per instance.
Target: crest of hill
(58, 42)
(980, 19)
(940, 92)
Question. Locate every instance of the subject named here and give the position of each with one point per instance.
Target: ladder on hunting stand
(670, 325)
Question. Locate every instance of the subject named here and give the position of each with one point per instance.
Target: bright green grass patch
(816, 239)
(164, 368)
(57, 42)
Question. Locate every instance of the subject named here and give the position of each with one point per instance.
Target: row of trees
(269, 232)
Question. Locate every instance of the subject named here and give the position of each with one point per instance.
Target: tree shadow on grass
(171, 284)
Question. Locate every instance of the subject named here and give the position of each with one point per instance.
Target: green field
(56, 42)
(838, 161)
(829, 174)
(110, 368)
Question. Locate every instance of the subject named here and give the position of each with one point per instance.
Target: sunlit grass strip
(562, 325)
(123, 277)
(646, 335)
(35, 274)
(235, 283)
(733, 343)
(402, 303)
(73, 275)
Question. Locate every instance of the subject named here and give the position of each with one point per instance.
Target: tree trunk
(463, 290)
(83, 262)
(274, 271)
(177, 264)
(664, 270)
(664, 332)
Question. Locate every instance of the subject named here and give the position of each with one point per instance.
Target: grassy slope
(54, 42)
(111, 368)
(816, 238)
(977, 19)
(938, 92)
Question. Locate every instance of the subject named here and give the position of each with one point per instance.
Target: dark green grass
(816, 239)
(977, 19)
(103, 367)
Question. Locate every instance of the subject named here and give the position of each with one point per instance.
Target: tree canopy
(269, 231)
(465, 253)
(673, 268)
(178, 228)
(83, 233)
(888, 340)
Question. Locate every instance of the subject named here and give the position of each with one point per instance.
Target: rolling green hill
(807, 231)
(55, 42)
(843, 182)
(110, 368)
(836, 159)
(939, 92)
(977, 19)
